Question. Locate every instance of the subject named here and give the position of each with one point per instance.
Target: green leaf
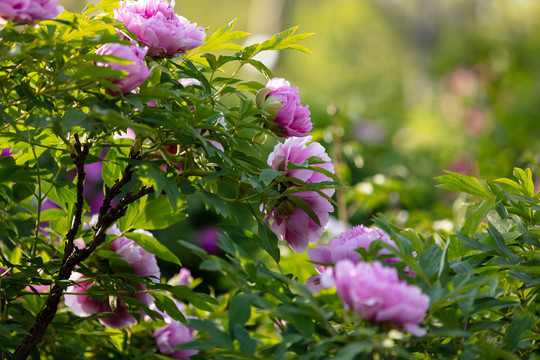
(268, 175)
(239, 311)
(219, 39)
(211, 200)
(153, 246)
(113, 166)
(501, 244)
(167, 305)
(216, 334)
(158, 214)
(213, 264)
(350, 351)
(195, 299)
(268, 240)
(474, 220)
(525, 178)
(468, 184)
(431, 259)
(516, 330)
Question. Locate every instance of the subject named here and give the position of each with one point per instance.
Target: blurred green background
(401, 89)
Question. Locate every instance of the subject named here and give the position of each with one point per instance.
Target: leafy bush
(80, 276)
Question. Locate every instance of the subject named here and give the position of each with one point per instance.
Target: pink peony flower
(289, 222)
(345, 245)
(182, 278)
(172, 335)
(158, 27)
(287, 115)
(29, 10)
(189, 81)
(143, 263)
(137, 72)
(376, 293)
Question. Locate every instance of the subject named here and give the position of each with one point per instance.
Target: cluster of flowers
(159, 29)
(372, 290)
(79, 299)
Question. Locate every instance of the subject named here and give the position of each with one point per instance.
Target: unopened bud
(285, 209)
(272, 106)
(261, 96)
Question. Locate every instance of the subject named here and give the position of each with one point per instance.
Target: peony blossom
(174, 334)
(143, 263)
(345, 245)
(137, 71)
(287, 115)
(185, 82)
(158, 27)
(182, 278)
(376, 293)
(23, 11)
(289, 222)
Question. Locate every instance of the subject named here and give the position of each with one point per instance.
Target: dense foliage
(170, 126)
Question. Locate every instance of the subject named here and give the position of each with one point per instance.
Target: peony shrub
(172, 143)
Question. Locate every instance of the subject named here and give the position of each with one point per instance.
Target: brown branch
(79, 159)
(71, 258)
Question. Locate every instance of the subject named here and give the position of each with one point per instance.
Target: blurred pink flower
(287, 115)
(143, 263)
(137, 71)
(174, 334)
(289, 222)
(463, 81)
(182, 278)
(376, 293)
(207, 239)
(29, 10)
(158, 27)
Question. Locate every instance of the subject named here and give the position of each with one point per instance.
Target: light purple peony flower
(376, 293)
(345, 245)
(172, 335)
(185, 82)
(29, 10)
(143, 263)
(158, 27)
(287, 115)
(182, 278)
(137, 72)
(289, 222)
